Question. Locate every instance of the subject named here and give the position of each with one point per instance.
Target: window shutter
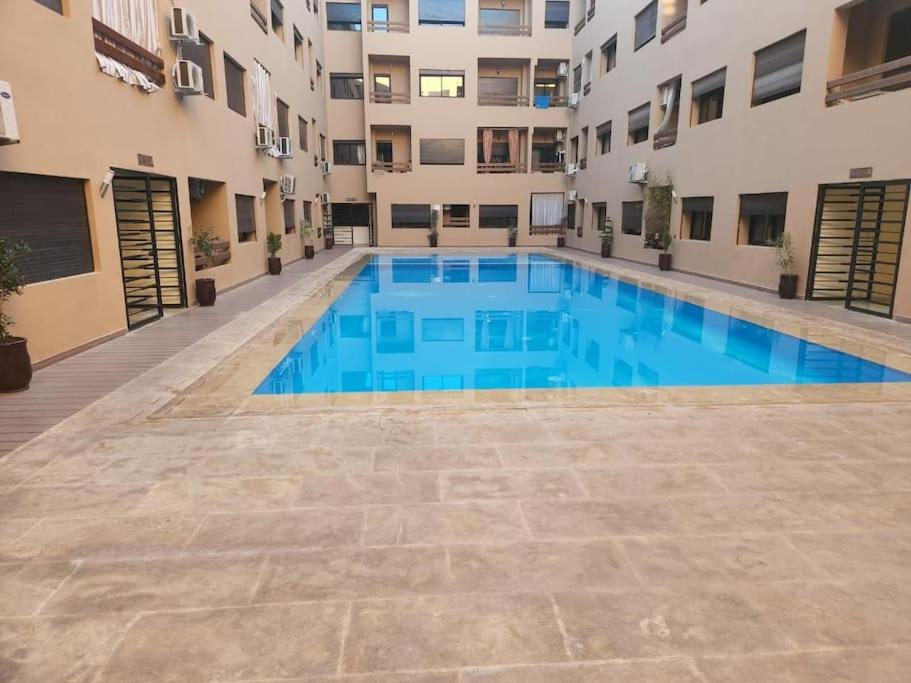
(639, 117)
(692, 204)
(709, 83)
(632, 218)
(442, 11)
(779, 68)
(646, 25)
(246, 216)
(556, 12)
(442, 151)
(498, 86)
(772, 204)
(410, 215)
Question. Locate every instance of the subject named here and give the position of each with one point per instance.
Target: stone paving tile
(559, 455)
(840, 666)
(452, 631)
(432, 458)
(25, 587)
(442, 677)
(557, 484)
(882, 476)
(793, 477)
(856, 554)
(461, 523)
(273, 641)
(453, 433)
(677, 480)
(280, 530)
(130, 586)
(282, 464)
(69, 501)
(665, 671)
(600, 518)
(68, 471)
(186, 496)
(382, 526)
(380, 488)
(144, 469)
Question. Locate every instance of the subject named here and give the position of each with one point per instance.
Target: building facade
(538, 118)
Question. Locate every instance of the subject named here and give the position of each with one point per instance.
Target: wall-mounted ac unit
(559, 135)
(326, 167)
(9, 128)
(285, 150)
(323, 197)
(265, 138)
(572, 195)
(188, 78)
(574, 100)
(571, 169)
(563, 69)
(184, 29)
(288, 184)
(638, 173)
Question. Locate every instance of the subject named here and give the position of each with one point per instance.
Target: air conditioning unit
(571, 169)
(323, 197)
(563, 69)
(638, 173)
(559, 135)
(326, 167)
(574, 99)
(184, 29)
(285, 151)
(572, 195)
(9, 129)
(188, 78)
(265, 138)
(288, 184)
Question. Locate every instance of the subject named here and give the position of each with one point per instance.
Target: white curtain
(263, 102)
(133, 19)
(547, 209)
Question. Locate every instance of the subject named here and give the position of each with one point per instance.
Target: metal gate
(151, 256)
(857, 242)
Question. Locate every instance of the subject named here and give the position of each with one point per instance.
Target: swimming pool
(450, 322)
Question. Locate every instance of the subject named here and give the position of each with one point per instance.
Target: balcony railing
(587, 88)
(503, 100)
(390, 97)
(546, 230)
(501, 167)
(388, 26)
(456, 222)
(547, 167)
(583, 164)
(672, 29)
(392, 166)
(591, 12)
(504, 30)
(259, 17)
(111, 44)
(579, 26)
(872, 81)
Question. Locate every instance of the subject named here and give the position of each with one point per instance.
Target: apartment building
(113, 168)
(545, 117)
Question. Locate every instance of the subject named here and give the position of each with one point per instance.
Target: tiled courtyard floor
(463, 543)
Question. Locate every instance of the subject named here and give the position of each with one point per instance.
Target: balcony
(501, 167)
(120, 48)
(388, 26)
(504, 18)
(674, 18)
(502, 150)
(389, 79)
(579, 26)
(380, 97)
(548, 167)
(503, 82)
(389, 17)
(503, 100)
(392, 166)
(391, 147)
(876, 80)
(547, 150)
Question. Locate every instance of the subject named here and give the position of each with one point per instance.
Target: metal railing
(673, 28)
(548, 167)
(390, 97)
(504, 30)
(546, 230)
(392, 166)
(503, 100)
(869, 82)
(579, 26)
(456, 222)
(388, 26)
(501, 167)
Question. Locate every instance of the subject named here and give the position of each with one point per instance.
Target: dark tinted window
(234, 86)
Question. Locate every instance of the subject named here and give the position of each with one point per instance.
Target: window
(708, 97)
(497, 89)
(322, 147)
(441, 12)
(201, 55)
(379, 15)
(343, 16)
(282, 113)
(556, 14)
(609, 55)
(442, 83)
(495, 17)
(548, 209)
(669, 108)
(288, 213)
(779, 69)
(258, 16)
(498, 215)
(762, 218)
(350, 214)
(56, 5)
(577, 79)
(499, 149)
(587, 67)
(599, 216)
(411, 216)
(308, 212)
(382, 83)
(384, 151)
(349, 152)
(604, 135)
(632, 218)
(346, 86)
(319, 76)
(697, 218)
(48, 214)
(246, 217)
(298, 47)
(638, 124)
(278, 12)
(234, 86)
(456, 216)
(443, 151)
(646, 25)
(302, 134)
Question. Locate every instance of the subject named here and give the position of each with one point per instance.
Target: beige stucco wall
(77, 122)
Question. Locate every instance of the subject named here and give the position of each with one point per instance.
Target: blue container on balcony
(542, 101)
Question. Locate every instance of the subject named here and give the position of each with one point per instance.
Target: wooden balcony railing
(390, 97)
(499, 167)
(546, 230)
(548, 167)
(111, 44)
(894, 75)
(503, 100)
(676, 25)
(579, 26)
(392, 166)
(587, 88)
(388, 26)
(591, 12)
(503, 30)
(456, 222)
(559, 101)
(259, 17)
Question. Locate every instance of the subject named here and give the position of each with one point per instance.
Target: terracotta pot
(330, 242)
(787, 286)
(15, 365)
(512, 240)
(308, 251)
(664, 261)
(605, 250)
(205, 291)
(561, 241)
(275, 265)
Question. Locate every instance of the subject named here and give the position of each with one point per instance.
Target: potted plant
(434, 236)
(306, 232)
(328, 238)
(15, 363)
(606, 230)
(273, 246)
(204, 242)
(664, 258)
(784, 257)
(561, 237)
(513, 232)
(658, 219)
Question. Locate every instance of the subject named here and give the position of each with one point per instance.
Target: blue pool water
(526, 321)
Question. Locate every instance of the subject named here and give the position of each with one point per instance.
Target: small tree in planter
(273, 246)
(513, 232)
(606, 230)
(784, 257)
(306, 232)
(204, 242)
(434, 236)
(561, 237)
(658, 218)
(15, 362)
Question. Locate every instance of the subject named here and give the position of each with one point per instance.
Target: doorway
(151, 249)
(857, 241)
